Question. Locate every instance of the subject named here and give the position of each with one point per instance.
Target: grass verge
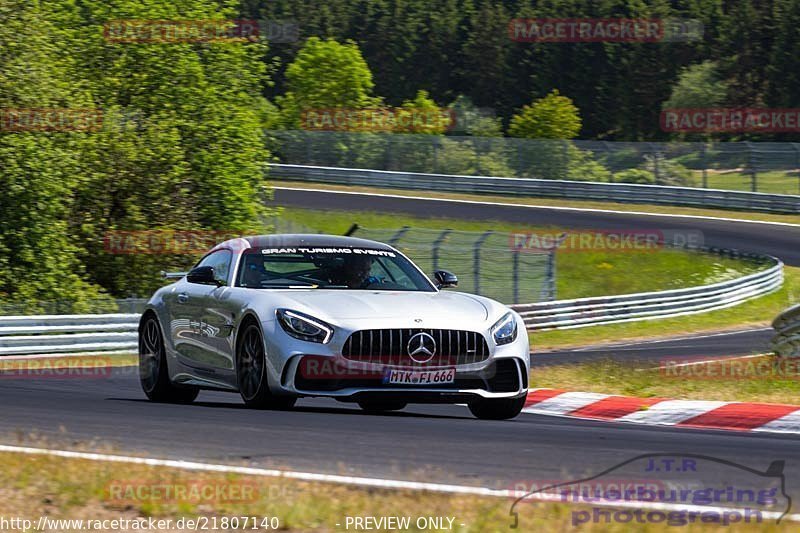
(65, 365)
(78, 489)
(582, 272)
(556, 202)
(757, 379)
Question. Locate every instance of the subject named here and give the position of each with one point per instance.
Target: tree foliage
(180, 148)
(552, 117)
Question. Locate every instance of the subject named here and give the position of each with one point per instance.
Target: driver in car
(355, 272)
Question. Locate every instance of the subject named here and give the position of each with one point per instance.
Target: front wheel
(153, 373)
(497, 409)
(251, 372)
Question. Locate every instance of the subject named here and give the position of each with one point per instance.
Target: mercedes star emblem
(421, 347)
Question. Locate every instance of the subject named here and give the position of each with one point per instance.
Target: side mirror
(445, 279)
(203, 275)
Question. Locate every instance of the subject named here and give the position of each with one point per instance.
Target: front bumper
(499, 378)
(504, 374)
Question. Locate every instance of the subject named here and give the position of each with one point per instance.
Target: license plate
(420, 377)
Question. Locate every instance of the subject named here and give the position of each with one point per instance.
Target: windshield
(330, 268)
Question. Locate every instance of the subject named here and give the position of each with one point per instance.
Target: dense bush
(635, 175)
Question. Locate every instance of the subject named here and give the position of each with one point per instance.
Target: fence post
(607, 149)
(751, 167)
(550, 276)
(476, 265)
(655, 163)
(515, 273)
(548, 292)
(704, 164)
(797, 162)
(436, 244)
(399, 235)
(387, 159)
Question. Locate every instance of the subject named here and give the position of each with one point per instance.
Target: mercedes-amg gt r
(280, 317)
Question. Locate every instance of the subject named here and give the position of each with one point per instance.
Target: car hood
(389, 307)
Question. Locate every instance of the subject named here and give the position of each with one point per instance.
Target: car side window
(221, 262)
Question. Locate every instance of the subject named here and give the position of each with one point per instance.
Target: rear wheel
(251, 372)
(497, 409)
(380, 406)
(153, 373)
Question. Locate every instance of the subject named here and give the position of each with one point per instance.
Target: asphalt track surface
(652, 352)
(423, 443)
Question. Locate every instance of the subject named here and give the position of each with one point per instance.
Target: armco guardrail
(20, 335)
(582, 312)
(786, 342)
(45, 334)
(616, 192)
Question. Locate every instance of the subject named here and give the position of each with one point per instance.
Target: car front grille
(390, 347)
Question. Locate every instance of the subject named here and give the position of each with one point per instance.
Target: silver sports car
(279, 317)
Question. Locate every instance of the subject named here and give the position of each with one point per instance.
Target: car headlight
(304, 327)
(504, 330)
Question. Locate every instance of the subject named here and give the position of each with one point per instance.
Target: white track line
(367, 482)
(540, 207)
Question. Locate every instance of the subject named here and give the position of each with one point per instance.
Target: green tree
(182, 146)
(697, 86)
(551, 117)
(422, 115)
(326, 74)
(39, 169)
(472, 120)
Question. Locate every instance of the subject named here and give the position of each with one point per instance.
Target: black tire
(251, 371)
(381, 406)
(153, 372)
(497, 409)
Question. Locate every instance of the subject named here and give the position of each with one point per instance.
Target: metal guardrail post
(476, 265)
(435, 247)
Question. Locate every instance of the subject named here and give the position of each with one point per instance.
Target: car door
(194, 326)
(218, 312)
